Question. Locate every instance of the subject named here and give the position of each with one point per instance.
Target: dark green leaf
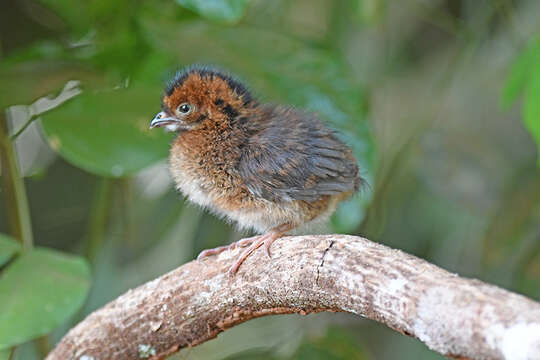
(531, 106)
(104, 34)
(228, 11)
(26, 82)
(40, 70)
(74, 14)
(107, 133)
(9, 247)
(38, 292)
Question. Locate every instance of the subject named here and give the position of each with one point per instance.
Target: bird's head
(198, 95)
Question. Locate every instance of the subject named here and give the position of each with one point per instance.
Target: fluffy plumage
(267, 167)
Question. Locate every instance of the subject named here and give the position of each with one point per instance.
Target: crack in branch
(322, 261)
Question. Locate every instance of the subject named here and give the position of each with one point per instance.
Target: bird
(268, 168)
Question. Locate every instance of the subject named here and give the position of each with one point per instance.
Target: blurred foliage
(525, 77)
(336, 345)
(228, 11)
(261, 354)
(453, 178)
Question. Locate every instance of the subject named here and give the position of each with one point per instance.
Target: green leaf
(227, 11)
(26, 82)
(74, 14)
(525, 77)
(39, 70)
(531, 107)
(38, 292)
(9, 247)
(4, 354)
(106, 34)
(107, 133)
(520, 73)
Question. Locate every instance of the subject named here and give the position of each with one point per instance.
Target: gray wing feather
(296, 157)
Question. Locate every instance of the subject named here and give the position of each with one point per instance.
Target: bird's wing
(293, 156)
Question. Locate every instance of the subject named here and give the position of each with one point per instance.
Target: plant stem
(14, 190)
(126, 206)
(98, 218)
(42, 346)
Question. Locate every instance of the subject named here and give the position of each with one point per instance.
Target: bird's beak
(161, 119)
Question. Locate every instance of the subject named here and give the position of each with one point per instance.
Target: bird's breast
(206, 177)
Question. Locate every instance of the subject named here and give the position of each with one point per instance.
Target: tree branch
(457, 317)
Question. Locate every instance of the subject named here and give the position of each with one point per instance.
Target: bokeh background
(439, 99)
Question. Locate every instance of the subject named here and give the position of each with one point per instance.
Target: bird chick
(269, 168)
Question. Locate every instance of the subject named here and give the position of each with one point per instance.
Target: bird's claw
(218, 250)
(210, 252)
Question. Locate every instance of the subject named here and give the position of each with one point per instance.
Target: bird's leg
(218, 250)
(266, 239)
(276, 232)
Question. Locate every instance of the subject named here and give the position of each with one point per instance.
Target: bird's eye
(184, 108)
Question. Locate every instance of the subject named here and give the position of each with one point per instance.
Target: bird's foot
(218, 250)
(266, 239)
(253, 243)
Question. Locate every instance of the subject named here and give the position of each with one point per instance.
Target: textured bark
(457, 317)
